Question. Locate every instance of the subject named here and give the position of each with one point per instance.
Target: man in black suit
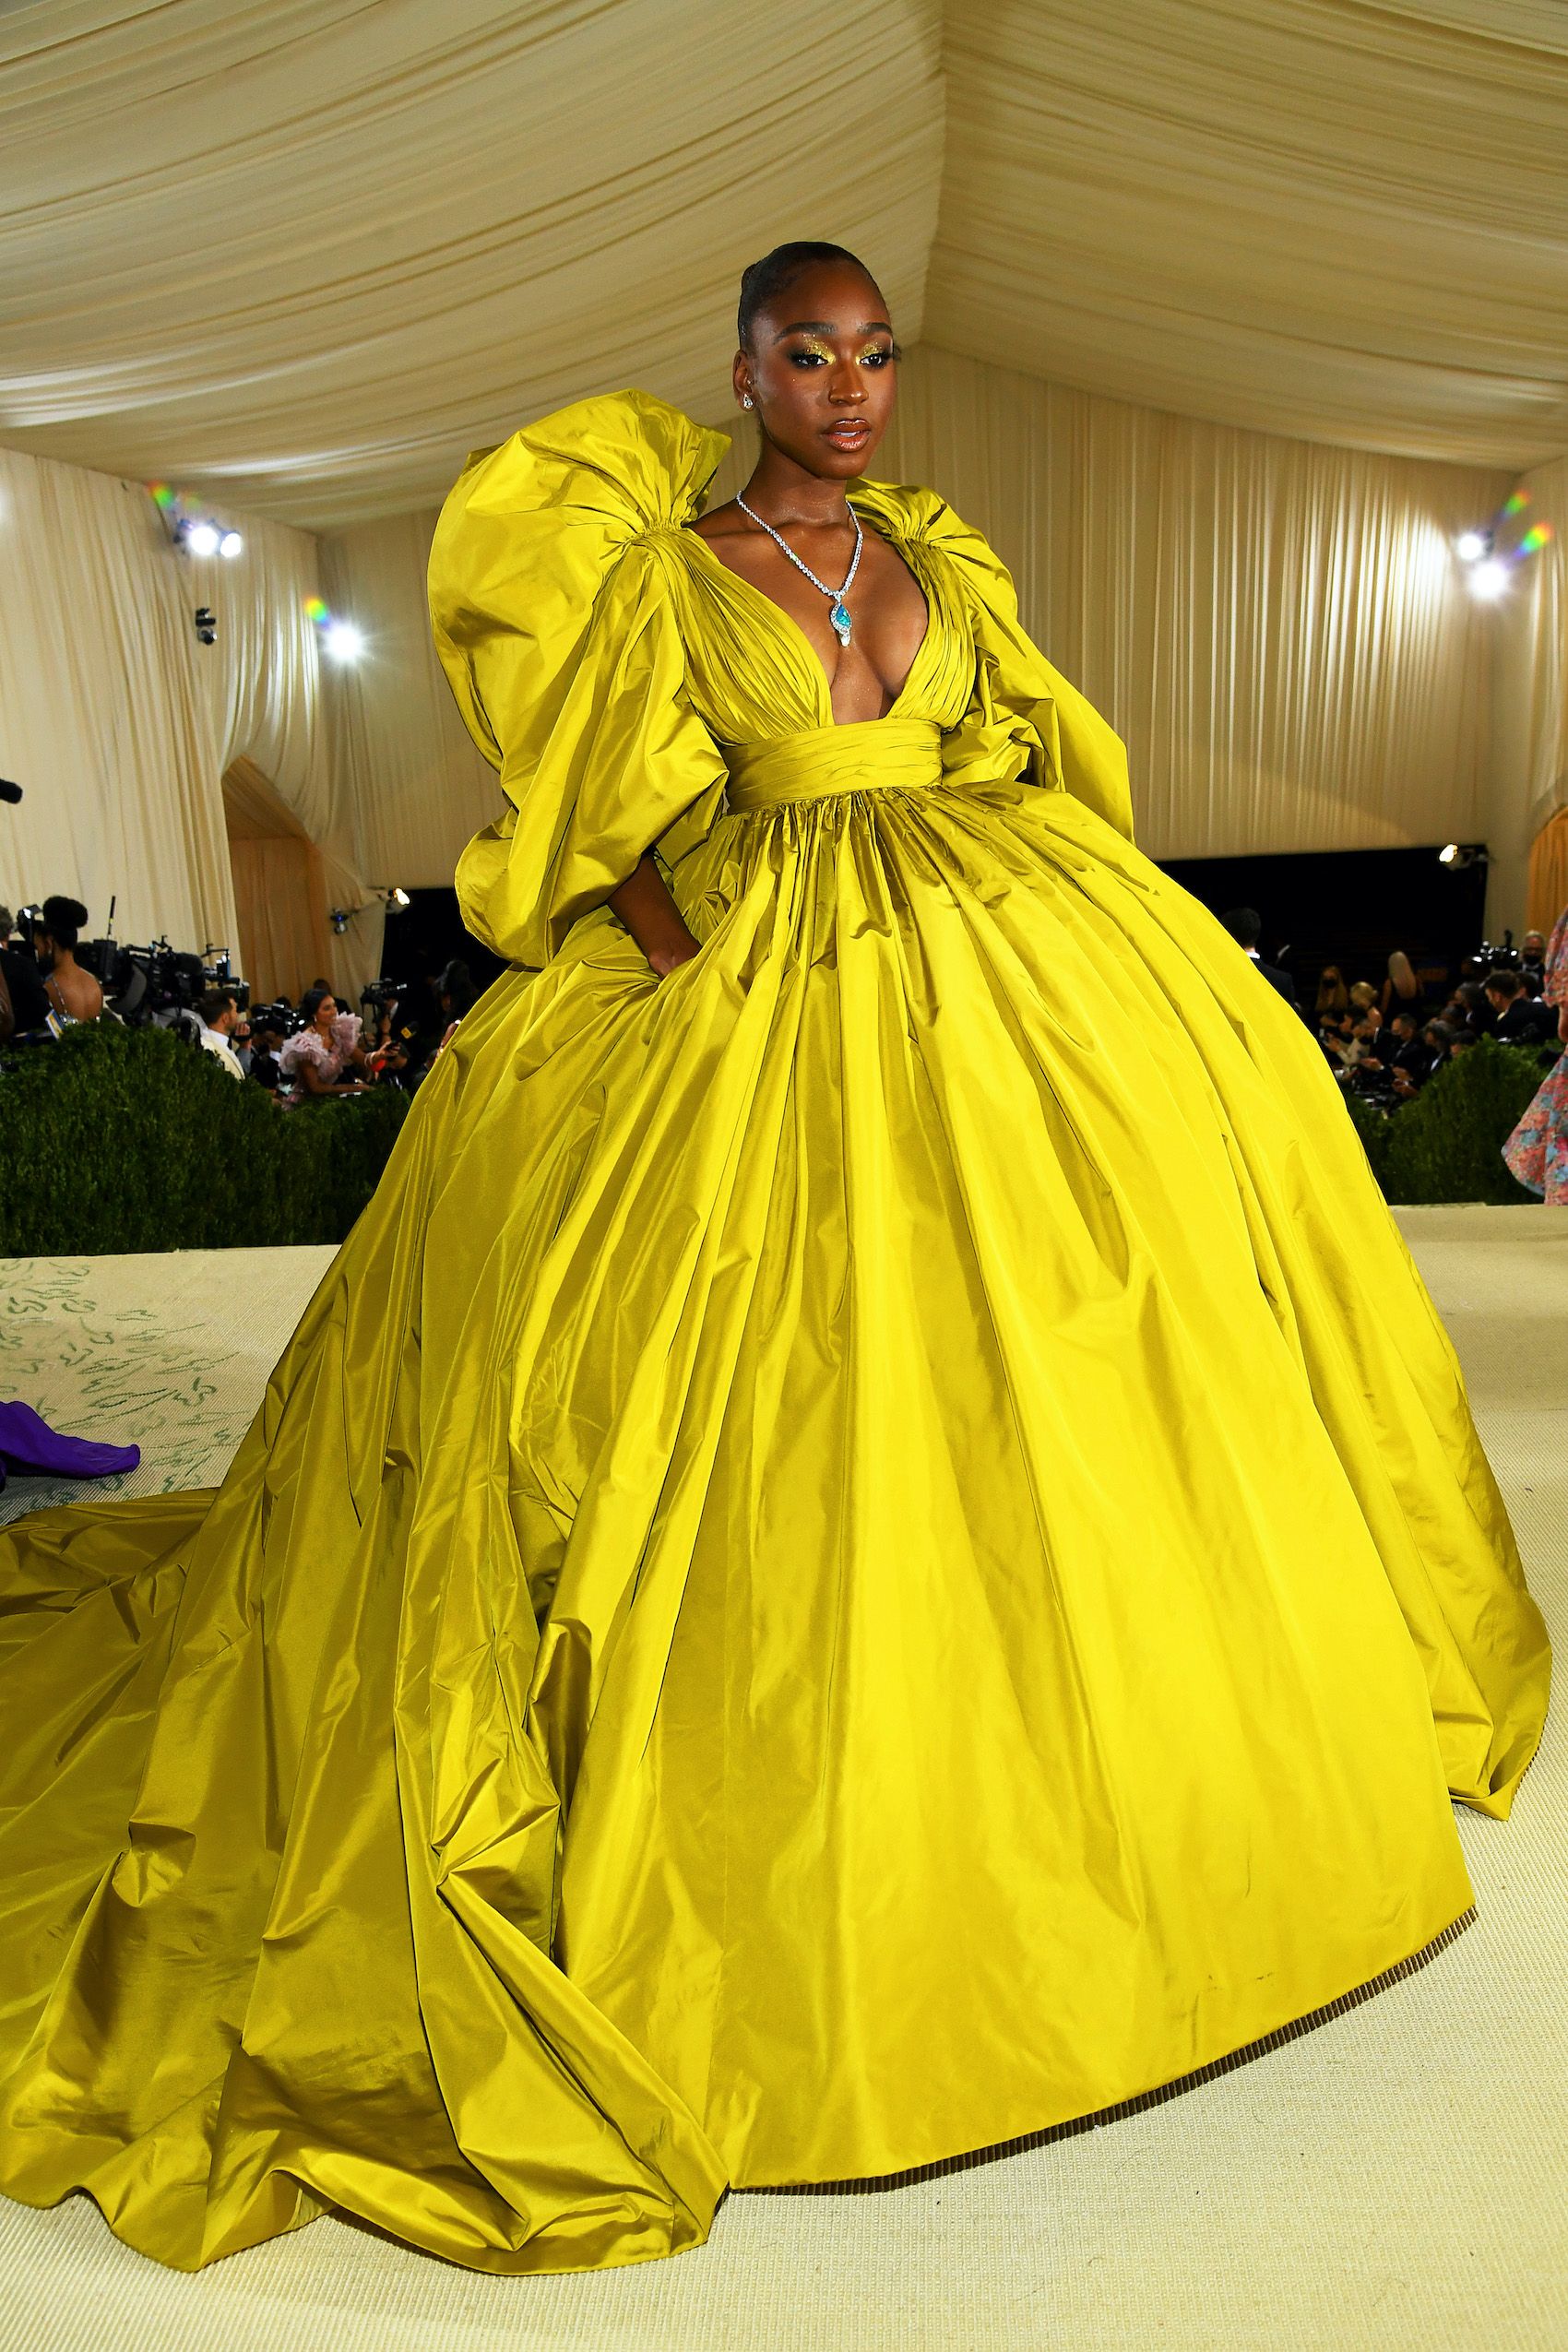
(1244, 923)
(1522, 1019)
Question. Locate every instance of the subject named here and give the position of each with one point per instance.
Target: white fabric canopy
(308, 253)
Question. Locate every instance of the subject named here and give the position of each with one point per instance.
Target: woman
(1404, 990)
(1333, 996)
(1537, 1151)
(873, 1542)
(315, 1057)
(73, 993)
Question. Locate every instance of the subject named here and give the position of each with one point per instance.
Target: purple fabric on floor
(28, 1445)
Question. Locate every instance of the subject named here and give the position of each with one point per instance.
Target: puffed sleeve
(305, 1045)
(553, 606)
(1019, 694)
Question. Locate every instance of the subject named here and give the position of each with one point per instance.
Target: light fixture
(1470, 546)
(339, 920)
(1489, 579)
(342, 640)
(201, 539)
(1458, 855)
(230, 544)
(395, 898)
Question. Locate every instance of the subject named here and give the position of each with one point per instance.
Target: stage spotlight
(206, 624)
(229, 544)
(339, 920)
(342, 641)
(201, 539)
(1489, 579)
(396, 898)
(1470, 546)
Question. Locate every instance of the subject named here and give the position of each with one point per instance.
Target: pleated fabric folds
(867, 1549)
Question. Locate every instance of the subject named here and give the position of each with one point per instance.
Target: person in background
(388, 1058)
(1244, 924)
(1403, 987)
(315, 1057)
(1409, 1064)
(24, 1008)
(1332, 993)
(266, 1046)
(1436, 1037)
(218, 1015)
(1522, 1019)
(1335, 1030)
(1476, 1013)
(1537, 1152)
(73, 994)
(1532, 961)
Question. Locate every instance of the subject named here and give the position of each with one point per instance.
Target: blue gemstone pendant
(840, 616)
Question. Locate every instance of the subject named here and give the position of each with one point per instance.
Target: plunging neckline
(794, 629)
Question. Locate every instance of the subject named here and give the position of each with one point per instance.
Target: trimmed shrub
(1446, 1144)
(115, 1139)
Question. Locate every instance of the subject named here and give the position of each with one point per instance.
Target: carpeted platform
(1397, 2180)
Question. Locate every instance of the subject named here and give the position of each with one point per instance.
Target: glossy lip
(847, 429)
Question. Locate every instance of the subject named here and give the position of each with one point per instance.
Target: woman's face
(822, 370)
(326, 1013)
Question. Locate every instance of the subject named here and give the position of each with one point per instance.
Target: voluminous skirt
(864, 1550)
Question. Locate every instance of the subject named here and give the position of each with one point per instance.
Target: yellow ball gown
(865, 1550)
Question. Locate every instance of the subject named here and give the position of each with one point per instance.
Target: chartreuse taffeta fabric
(866, 1548)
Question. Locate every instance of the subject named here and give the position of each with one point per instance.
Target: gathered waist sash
(867, 756)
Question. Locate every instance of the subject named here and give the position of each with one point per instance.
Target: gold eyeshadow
(811, 346)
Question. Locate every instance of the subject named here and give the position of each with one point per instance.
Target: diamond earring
(745, 399)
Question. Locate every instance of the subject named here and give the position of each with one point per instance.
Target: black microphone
(9, 791)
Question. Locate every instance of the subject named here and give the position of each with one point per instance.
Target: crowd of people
(1386, 1038)
(301, 1054)
(1383, 1037)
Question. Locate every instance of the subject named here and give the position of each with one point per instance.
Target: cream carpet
(1398, 2178)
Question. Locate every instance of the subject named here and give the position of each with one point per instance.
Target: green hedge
(1446, 1144)
(116, 1140)
(119, 1139)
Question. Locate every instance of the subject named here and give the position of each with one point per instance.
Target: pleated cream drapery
(1529, 782)
(1334, 219)
(119, 724)
(1280, 630)
(314, 249)
(418, 785)
(327, 246)
(281, 895)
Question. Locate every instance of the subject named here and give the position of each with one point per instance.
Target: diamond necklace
(840, 612)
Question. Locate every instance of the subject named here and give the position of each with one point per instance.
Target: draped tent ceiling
(303, 254)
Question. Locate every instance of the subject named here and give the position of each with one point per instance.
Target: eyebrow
(825, 326)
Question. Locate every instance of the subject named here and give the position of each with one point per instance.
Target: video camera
(157, 983)
(1489, 957)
